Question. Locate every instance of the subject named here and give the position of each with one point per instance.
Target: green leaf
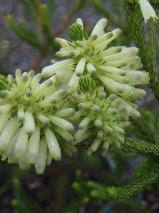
(26, 35)
(51, 4)
(29, 7)
(141, 146)
(23, 200)
(20, 207)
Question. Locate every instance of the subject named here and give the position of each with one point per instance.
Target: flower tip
(39, 169)
(25, 77)
(58, 54)
(19, 152)
(18, 72)
(74, 53)
(78, 74)
(29, 131)
(94, 37)
(147, 10)
(57, 158)
(31, 73)
(155, 18)
(45, 72)
(79, 21)
(103, 21)
(109, 35)
(31, 158)
(28, 94)
(4, 93)
(23, 164)
(81, 127)
(134, 50)
(71, 129)
(57, 40)
(136, 114)
(21, 119)
(68, 153)
(100, 25)
(120, 89)
(117, 32)
(2, 146)
(89, 152)
(117, 144)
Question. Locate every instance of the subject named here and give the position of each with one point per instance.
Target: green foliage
(23, 203)
(133, 188)
(154, 1)
(142, 168)
(87, 84)
(41, 37)
(30, 8)
(25, 33)
(91, 190)
(141, 146)
(147, 127)
(76, 32)
(147, 46)
(4, 84)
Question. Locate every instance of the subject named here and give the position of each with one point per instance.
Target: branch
(133, 188)
(141, 146)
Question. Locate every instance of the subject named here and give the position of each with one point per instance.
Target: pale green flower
(101, 118)
(147, 10)
(111, 67)
(33, 123)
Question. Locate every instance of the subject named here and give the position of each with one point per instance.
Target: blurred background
(73, 185)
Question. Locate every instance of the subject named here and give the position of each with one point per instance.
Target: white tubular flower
(101, 118)
(111, 67)
(33, 125)
(147, 10)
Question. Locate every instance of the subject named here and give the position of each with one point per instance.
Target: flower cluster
(99, 117)
(114, 67)
(93, 90)
(32, 121)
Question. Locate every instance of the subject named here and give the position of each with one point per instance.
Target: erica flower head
(111, 67)
(100, 117)
(33, 125)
